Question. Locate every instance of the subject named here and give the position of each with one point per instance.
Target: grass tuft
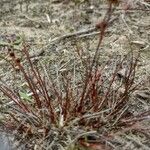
(93, 107)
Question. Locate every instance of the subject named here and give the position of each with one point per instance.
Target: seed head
(115, 2)
(17, 60)
(12, 54)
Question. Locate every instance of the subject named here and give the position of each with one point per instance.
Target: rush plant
(97, 103)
